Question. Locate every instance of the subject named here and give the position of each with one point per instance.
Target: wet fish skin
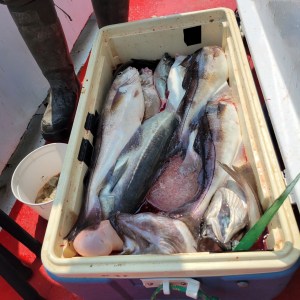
(161, 74)
(172, 184)
(225, 216)
(152, 233)
(137, 164)
(206, 72)
(152, 101)
(176, 75)
(254, 206)
(219, 140)
(124, 102)
(177, 179)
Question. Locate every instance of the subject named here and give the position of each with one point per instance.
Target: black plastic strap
(85, 152)
(91, 122)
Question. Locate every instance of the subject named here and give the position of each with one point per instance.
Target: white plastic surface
(272, 30)
(34, 171)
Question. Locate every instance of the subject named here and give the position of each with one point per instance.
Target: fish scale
(124, 101)
(206, 73)
(137, 164)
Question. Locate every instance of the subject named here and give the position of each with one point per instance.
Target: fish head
(130, 74)
(225, 217)
(151, 233)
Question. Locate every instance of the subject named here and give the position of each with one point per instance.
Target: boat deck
(35, 225)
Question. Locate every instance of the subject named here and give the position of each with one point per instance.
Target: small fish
(152, 101)
(161, 74)
(176, 91)
(154, 234)
(120, 118)
(137, 163)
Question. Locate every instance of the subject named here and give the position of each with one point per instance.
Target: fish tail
(237, 175)
(107, 205)
(253, 204)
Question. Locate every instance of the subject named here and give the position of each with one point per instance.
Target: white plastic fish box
(263, 273)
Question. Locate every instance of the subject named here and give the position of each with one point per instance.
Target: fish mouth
(148, 233)
(133, 241)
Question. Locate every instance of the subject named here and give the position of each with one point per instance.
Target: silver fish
(150, 233)
(137, 163)
(121, 116)
(218, 140)
(217, 137)
(206, 73)
(161, 74)
(225, 217)
(152, 100)
(253, 205)
(176, 91)
(177, 180)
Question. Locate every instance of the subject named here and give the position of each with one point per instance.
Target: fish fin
(195, 122)
(118, 98)
(185, 63)
(85, 220)
(237, 174)
(230, 171)
(107, 205)
(254, 206)
(192, 161)
(119, 170)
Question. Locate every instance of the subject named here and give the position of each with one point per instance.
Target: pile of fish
(167, 173)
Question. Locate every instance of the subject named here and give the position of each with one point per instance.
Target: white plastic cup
(34, 171)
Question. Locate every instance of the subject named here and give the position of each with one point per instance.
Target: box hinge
(85, 152)
(91, 122)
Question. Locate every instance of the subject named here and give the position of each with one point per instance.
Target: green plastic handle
(182, 289)
(255, 232)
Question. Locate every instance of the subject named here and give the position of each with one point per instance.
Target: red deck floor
(36, 226)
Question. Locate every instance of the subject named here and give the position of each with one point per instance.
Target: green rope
(182, 289)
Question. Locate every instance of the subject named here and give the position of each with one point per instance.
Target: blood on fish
(148, 207)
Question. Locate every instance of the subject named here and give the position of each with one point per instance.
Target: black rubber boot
(41, 30)
(110, 11)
